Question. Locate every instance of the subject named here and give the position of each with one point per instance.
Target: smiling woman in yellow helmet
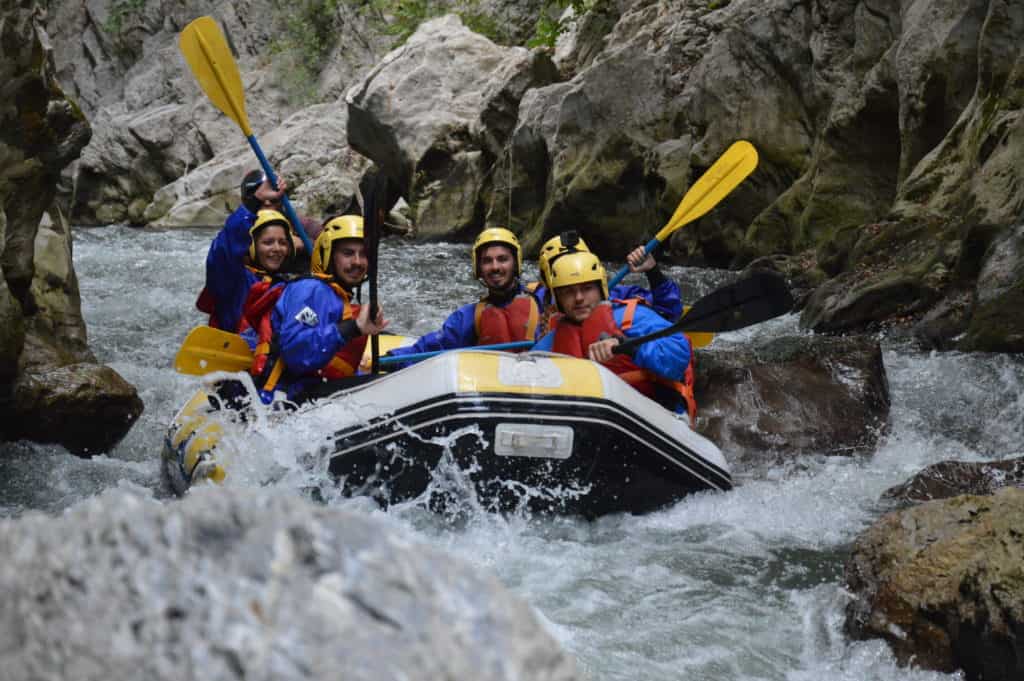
(506, 313)
(590, 325)
(250, 248)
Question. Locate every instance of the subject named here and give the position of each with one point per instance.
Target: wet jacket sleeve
(666, 356)
(305, 320)
(664, 296)
(227, 279)
(458, 331)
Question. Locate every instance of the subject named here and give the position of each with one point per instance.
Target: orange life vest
(574, 339)
(346, 360)
(517, 321)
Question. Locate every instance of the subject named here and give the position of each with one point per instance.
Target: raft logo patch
(307, 316)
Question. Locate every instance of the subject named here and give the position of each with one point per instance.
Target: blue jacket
(305, 321)
(458, 331)
(228, 280)
(668, 356)
(664, 298)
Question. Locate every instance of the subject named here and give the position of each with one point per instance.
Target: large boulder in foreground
(228, 585)
(943, 584)
(793, 395)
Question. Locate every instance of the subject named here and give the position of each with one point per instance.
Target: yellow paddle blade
(698, 339)
(208, 55)
(388, 341)
(738, 161)
(207, 349)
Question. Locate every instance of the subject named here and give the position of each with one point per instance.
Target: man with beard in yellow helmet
(506, 313)
(318, 332)
(663, 296)
(589, 324)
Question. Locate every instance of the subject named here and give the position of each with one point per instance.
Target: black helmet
(250, 183)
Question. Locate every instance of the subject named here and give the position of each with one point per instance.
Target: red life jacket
(574, 339)
(256, 312)
(517, 321)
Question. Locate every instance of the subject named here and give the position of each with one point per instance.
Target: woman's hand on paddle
(367, 326)
(601, 351)
(640, 261)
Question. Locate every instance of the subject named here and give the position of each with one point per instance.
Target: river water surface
(744, 585)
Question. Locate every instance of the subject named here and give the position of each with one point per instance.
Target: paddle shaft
(624, 270)
(225, 92)
(417, 356)
(289, 211)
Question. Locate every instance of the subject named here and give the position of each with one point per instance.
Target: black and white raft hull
(554, 433)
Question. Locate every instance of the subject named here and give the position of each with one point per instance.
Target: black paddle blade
(752, 300)
(762, 296)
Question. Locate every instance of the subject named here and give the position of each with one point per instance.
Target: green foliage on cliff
(307, 31)
(550, 23)
(401, 18)
(118, 14)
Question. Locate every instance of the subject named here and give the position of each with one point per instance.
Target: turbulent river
(744, 585)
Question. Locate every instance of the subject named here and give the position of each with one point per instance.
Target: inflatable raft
(566, 435)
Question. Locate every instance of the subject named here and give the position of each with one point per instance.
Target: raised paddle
(374, 190)
(738, 161)
(761, 296)
(208, 55)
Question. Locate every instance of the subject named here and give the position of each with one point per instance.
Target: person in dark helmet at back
(590, 325)
(506, 313)
(232, 266)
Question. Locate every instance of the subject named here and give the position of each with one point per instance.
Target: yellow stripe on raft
(491, 372)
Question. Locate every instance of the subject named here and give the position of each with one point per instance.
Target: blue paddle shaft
(417, 356)
(614, 281)
(288, 210)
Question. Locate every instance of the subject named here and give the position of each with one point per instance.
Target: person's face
(577, 301)
(348, 261)
(267, 197)
(497, 266)
(272, 247)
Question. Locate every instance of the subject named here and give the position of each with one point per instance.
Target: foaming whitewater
(744, 585)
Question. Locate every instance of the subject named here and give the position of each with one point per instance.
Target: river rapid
(744, 585)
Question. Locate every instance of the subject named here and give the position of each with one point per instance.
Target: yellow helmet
(577, 267)
(496, 235)
(554, 246)
(337, 228)
(265, 218)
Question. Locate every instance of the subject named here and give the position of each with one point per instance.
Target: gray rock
(87, 408)
(943, 584)
(791, 396)
(437, 112)
(996, 324)
(952, 478)
(225, 585)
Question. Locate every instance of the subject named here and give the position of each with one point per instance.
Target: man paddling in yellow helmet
(318, 332)
(590, 325)
(506, 313)
(663, 296)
